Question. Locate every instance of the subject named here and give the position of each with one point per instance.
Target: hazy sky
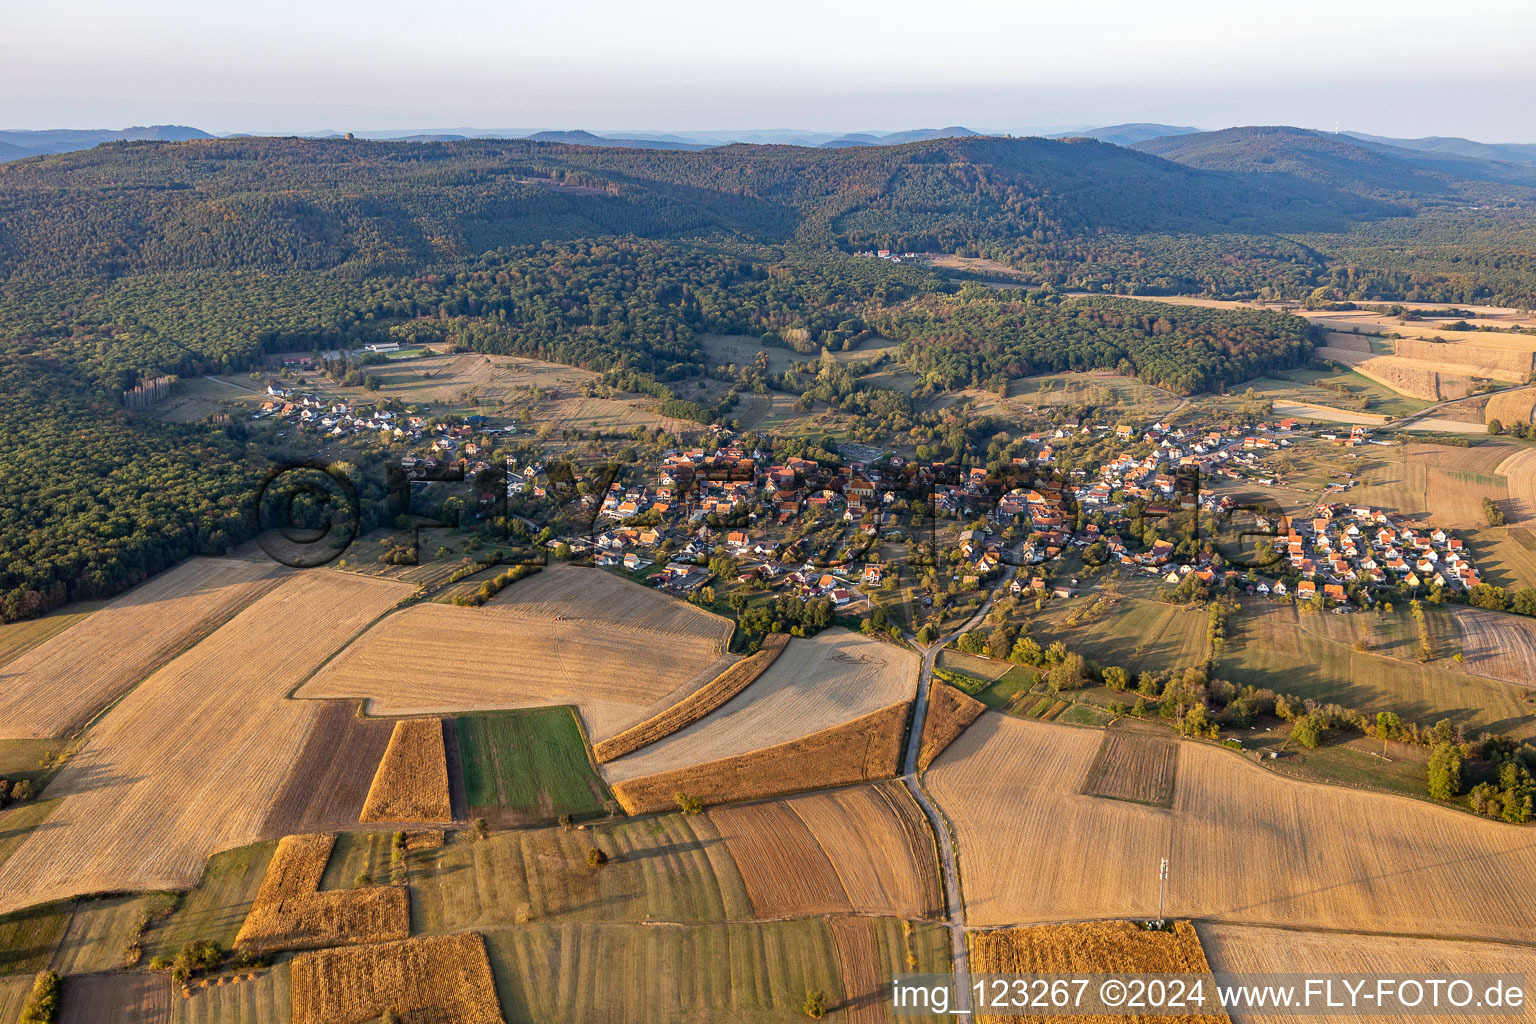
(1405, 67)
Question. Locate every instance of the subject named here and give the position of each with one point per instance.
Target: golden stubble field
(1519, 472)
(826, 681)
(189, 762)
(865, 849)
(1497, 645)
(1234, 949)
(618, 651)
(56, 688)
(1244, 845)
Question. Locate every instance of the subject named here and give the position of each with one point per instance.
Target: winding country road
(954, 903)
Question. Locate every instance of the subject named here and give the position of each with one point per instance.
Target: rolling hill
(1299, 155)
(66, 140)
(1127, 134)
(317, 203)
(1514, 152)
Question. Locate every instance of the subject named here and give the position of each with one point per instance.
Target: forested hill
(273, 204)
(1367, 167)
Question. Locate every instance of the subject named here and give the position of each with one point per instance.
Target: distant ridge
(1346, 163)
(585, 138)
(1127, 134)
(899, 138)
(1516, 152)
(67, 140)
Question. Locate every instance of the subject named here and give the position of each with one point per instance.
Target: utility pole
(1162, 889)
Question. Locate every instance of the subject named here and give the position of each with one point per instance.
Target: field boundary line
(366, 701)
(192, 641)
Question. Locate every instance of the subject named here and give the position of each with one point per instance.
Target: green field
(99, 932)
(1136, 633)
(28, 937)
(1345, 761)
(666, 868)
(524, 767)
(1313, 655)
(264, 1000)
(217, 907)
(13, 992)
(1506, 556)
(1317, 388)
(597, 973)
(358, 853)
(740, 971)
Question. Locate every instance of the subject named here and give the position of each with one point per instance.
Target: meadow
(528, 767)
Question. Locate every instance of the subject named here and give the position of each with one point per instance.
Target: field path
(954, 902)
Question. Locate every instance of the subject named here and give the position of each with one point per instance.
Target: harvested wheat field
(950, 711)
(1233, 949)
(1498, 646)
(616, 650)
(814, 685)
(189, 762)
(1133, 764)
(1245, 844)
(56, 688)
(412, 781)
(1502, 357)
(712, 695)
(116, 999)
(858, 961)
(1103, 947)
(1510, 407)
(1416, 378)
(290, 912)
(1519, 472)
(329, 781)
(862, 750)
(867, 850)
(442, 979)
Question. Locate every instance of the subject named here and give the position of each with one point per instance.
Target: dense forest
(136, 260)
(282, 204)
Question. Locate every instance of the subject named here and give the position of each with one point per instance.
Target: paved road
(954, 906)
(1432, 409)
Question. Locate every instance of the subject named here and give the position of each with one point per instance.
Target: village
(840, 532)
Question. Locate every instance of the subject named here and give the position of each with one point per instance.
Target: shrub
(1307, 731)
(42, 1005)
(688, 804)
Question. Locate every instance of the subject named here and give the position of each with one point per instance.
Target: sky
(1402, 68)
